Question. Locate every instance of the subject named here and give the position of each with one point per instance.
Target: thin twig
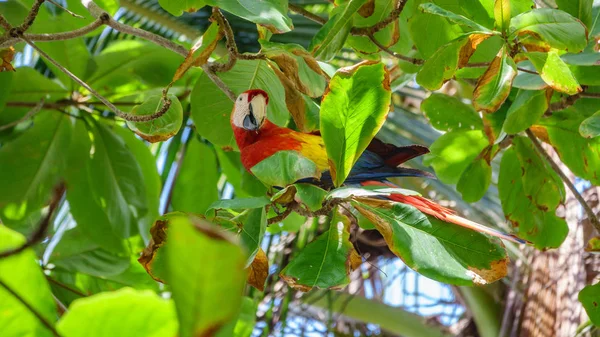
(588, 210)
(29, 19)
(66, 287)
(311, 16)
(590, 94)
(66, 35)
(38, 315)
(28, 115)
(64, 9)
(4, 23)
(394, 54)
(40, 232)
(366, 31)
(218, 82)
(230, 42)
(117, 111)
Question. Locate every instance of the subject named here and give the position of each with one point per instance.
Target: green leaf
(589, 296)
(453, 152)
(581, 9)
(352, 112)
(195, 187)
(252, 232)
(455, 18)
(125, 312)
(429, 32)
(284, 168)
(198, 253)
(590, 127)
(528, 107)
(502, 14)
(310, 195)
(246, 318)
(557, 28)
(494, 86)
(177, 7)
(327, 261)
(448, 113)
(162, 128)
(150, 175)
(555, 72)
(332, 36)
(540, 226)
(444, 63)
(239, 203)
(32, 165)
(211, 108)
(22, 274)
(475, 180)
(28, 85)
(116, 182)
(443, 252)
(6, 79)
(272, 14)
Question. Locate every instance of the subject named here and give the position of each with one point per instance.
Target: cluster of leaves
(113, 188)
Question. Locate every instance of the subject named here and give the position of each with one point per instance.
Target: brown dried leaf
(200, 51)
(259, 270)
(7, 55)
(367, 9)
(293, 101)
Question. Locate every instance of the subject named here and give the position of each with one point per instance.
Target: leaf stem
(38, 315)
(588, 210)
(28, 115)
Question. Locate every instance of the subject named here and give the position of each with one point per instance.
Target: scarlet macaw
(258, 139)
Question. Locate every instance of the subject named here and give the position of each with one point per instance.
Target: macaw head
(250, 110)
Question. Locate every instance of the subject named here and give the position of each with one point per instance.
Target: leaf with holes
(352, 111)
(448, 113)
(327, 261)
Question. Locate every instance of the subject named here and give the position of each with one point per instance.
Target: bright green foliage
(252, 231)
(453, 152)
(325, 262)
(590, 297)
(196, 185)
(439, 32)
(447, 113)
(537, 224)
(22, 274)
(452, 17)
(590, 127)
(557, 28)
(352, 112)
(581, 9)
(526, 109)
(475, 180)
(284, 168)
(443, 252)
(494, 86)
(502, 14)
(239, 203)
(555, 72)
(162, 128)
(211, 108)
(125, 312)
(197, 253)
(32, 164)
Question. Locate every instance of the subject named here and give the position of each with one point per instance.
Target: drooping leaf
(453, 152)
(455, 18)
(475, 180)
(258, 271)
(581, 9)
(162, 128)
(443, 252)
(211, 108)
(444, 63)
(6, 57)
(252, 232)
(590, 298)
(502, 14)
(196, 185)
(542, 227)
(246, 318)
(284, 168)
(494, 86)
(558, 29)
(271, 14)
(331, 37)
(526, 109)
(590, 127)
(352, 112)
(448, 113)
(555, 72)
(125, 312)
(195, 292)
(327, 261)
(22, 274)
(32, 165)
(200, 51)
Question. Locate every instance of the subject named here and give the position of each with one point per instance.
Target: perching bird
(258, 139)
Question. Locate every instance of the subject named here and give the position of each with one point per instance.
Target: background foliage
(115, 135)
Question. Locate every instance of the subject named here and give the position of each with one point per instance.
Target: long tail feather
(444, 214)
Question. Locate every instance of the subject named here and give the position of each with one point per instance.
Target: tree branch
(301, 11)
(366, 31)
(412, 60)
(38, 315)
(117, 111)
(28, 115)
(588, 210)
(4, 23)
(28, 20)
(40, 232)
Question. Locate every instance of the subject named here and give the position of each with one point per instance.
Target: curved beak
(250, 122)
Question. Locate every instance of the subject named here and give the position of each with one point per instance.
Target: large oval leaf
(494, 86)
(447, 113)
(352, 112)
